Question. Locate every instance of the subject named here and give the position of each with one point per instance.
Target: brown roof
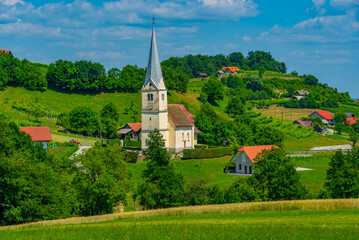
(38, 134)
(135, 126)
(196, 130)
(178, 116)
(189, 115)
(304, 123)
(203, 74)
(252, 151)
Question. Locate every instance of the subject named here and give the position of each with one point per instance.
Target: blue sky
(318, 37)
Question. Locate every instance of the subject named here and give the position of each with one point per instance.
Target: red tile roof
(135, 126)
(38, 134)
(357, 100)
(351, 121)
(232, 69)
(4, 51)
(252, 151)
(324, 114)
(189, 115)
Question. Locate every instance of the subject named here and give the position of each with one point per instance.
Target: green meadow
(311, 219)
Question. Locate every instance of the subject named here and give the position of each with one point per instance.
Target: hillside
(310, 219)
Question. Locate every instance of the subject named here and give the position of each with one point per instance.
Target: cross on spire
(153, 19)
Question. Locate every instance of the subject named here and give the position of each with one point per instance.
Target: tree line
(85, 76)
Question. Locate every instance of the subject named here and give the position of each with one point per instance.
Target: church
(173, 121)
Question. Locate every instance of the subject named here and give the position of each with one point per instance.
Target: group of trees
(83, 119)
(240, 131)
(21, 73)
(38, 185)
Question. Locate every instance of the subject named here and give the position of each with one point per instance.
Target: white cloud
(247, 39)
(99, 55)
(24, 29)
(343, 3)
(11, 2)
(338, 28)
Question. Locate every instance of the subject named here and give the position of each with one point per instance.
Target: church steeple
(154, 71)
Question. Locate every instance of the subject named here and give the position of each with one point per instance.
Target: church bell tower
(154, 113)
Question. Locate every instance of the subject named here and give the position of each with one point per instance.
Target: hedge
(207, 153)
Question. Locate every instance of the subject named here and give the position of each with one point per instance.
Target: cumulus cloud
(339, 28)
(343, 3)
(11, 2)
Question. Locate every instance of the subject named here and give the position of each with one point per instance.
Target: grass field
(290, 114)
(311, 219)
(304, 144)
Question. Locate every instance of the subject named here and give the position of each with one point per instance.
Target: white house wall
(243, 163)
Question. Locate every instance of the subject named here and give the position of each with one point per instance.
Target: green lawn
(313, 179)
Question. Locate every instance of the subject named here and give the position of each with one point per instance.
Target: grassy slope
(318, 219)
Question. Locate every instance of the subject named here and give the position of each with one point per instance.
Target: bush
(131, 157)
(206, 153)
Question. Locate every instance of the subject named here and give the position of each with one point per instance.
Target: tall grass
(313, 205)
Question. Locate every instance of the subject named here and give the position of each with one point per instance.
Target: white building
(173, 121)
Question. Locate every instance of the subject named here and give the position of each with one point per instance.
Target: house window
(150, 84)
(250, 169)
(150, 97)
(240, 167)
(163, 97)
(188, 137)
(150, 119)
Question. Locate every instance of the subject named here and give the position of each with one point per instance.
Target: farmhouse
(173, 121)
(326, 117)
(231, 69)
(245, 157)
(220, 73)
(303, 123)
(130, 129)
(38, 134)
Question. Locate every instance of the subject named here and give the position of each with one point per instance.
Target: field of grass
(290, 114)
(313, 179)
(311, 219)
(317, 140)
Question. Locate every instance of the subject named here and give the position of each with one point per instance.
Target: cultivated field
(310, 219)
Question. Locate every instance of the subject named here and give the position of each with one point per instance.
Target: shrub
(207, 153)
(131, 156)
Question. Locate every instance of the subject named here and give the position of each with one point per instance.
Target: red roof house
(245, 157)
(232, 69)
(351, 121)
(357, 100)
(131, 129)
(38, 134)
(324, 115)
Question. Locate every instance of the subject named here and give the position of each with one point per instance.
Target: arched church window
(163, 96)
(150, 97)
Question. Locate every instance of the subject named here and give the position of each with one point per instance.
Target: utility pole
(49, 116)
(282, 114)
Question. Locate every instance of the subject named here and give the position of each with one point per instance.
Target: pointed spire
(154, 71)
